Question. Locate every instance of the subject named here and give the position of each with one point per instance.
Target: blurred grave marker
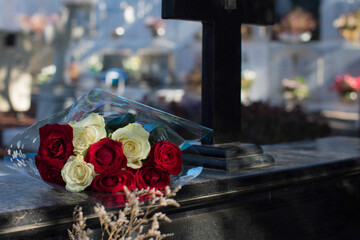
(59, 93)
(15, 82)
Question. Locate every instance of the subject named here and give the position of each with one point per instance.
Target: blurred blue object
(114, 76)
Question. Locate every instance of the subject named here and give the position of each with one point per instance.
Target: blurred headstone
(15, 82)
(115, 58)
(20, 92)
(59, 93)
(157, 66)
(291, 60)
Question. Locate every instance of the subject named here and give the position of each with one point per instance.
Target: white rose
(81, 141)
(135, 140)
(87, 131)
(77, 174)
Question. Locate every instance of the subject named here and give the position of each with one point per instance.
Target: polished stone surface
(28, 205)
(291, 156)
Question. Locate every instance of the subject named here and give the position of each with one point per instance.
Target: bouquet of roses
(295, 89)
(105, 142)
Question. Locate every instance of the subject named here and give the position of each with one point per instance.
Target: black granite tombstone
(312, 192)
(221, 73)
(221, 67)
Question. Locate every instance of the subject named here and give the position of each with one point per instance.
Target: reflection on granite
(297, 162)
(15, 187)
(25, 200)
(5, 170)
(296, 155)
(28, 202)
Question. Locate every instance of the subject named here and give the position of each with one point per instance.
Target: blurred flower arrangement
(247, 79)
(349, 26)
(94, 64)
(347, 87)
(132, 67)
(45, 74)
(130, 221)
(156, 26)
(295, 89)
(36, 23)
(295, 26)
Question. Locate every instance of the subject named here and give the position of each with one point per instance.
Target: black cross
(221, 57)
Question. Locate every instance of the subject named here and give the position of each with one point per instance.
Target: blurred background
(300, 77)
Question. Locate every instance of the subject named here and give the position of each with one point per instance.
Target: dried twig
(129, 223)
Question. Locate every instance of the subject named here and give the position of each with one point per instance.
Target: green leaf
(119, 122)
(157, 134)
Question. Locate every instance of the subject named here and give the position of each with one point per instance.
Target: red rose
(167, 157)
(152, 177)
(55, 144)
(49, 173)
(114, 182)
(107, 156)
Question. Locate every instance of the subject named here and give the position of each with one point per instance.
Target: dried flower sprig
(129, 222)
(79, 230)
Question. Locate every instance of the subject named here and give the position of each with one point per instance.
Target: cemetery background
(160, 61)
(162, 65)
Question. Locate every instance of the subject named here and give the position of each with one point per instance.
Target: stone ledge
(29, 207)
